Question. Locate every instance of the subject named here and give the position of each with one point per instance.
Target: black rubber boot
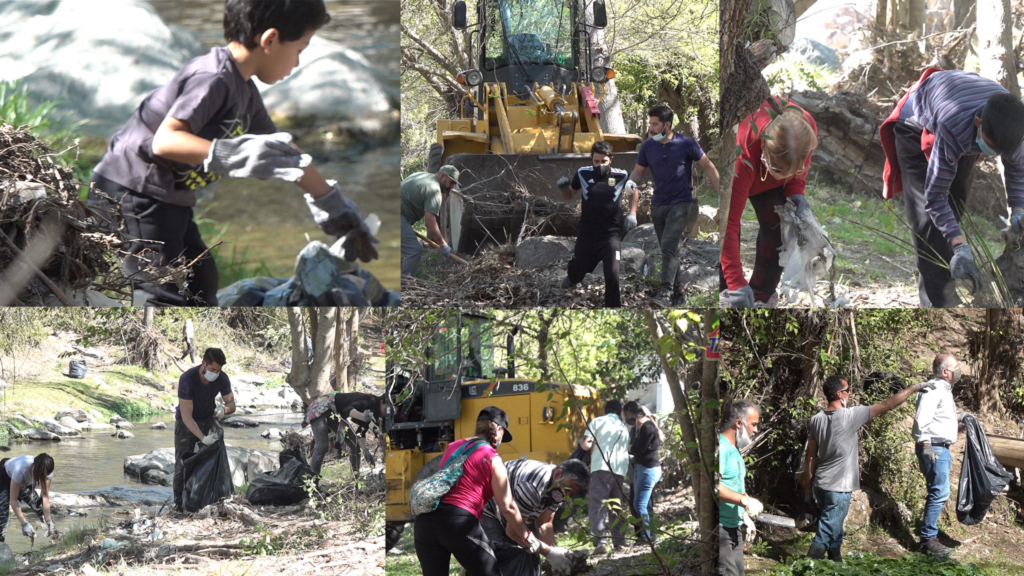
(935, 548)
(835, 554)
(816, 553)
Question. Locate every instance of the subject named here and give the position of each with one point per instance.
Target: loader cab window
(538, 32)
(475, 339)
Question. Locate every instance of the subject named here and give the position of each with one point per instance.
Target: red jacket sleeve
(749, 160)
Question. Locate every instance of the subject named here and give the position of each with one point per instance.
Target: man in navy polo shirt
(197, 413)
(670, 157)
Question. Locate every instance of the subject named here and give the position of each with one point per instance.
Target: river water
(267, 222)
(94, 462)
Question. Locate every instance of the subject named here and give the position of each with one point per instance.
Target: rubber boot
(835, 554)
(816, 553)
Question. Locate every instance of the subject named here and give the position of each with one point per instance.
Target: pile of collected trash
(322, 278)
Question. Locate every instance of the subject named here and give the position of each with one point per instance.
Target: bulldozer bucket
(495, 190)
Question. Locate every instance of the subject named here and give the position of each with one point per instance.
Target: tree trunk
(701, 474)
(543, 341)
(611, 120)
(880, 12)
(341, 360)
(995, 44)
(323, 351)
(354, 358)
(706, 505)
(987, 392)
(147, 318)
(964, 13)
(298, 378)
(917, 17)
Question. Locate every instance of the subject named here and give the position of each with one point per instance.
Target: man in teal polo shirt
(737, 432)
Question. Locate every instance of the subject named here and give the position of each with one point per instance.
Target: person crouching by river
(19, 477)
(197, 414)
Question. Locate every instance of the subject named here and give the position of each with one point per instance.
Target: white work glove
(751, 529)
(368, 416)
(630, 187)
(219, 413)
(962, 266)
(560, 564)
(51, 530)
(753, 506)
(630, 222)
(533, 544)
(1014, 233)
(446, 251)
(28, 530)
(339, 216)
(563, 183)
(210, 438)
(742, 298)
(260, 156)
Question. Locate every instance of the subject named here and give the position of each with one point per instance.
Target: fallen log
(1009, 451)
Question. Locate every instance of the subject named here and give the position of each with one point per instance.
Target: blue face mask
(985, 148)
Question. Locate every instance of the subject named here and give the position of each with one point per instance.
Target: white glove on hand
(751, 529)
(210, 438)
(630, 187)
(560, 564)
(533, 544)
(753, 506)
(219, 413)
(28, 530)
(368, 416)
(339, 216)
(630, 222)
(51, 529)
(562, 183)
(260, 156)
(446, 251)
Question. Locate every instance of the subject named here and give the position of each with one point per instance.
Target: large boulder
(78, 414)
(69, 422)
(697, 265)
(239, 459)
(123, 435)
(159, 426)
(160, 460)
(543, 251)
(239, 422)
(97, 67)
(813, 52)
(258, 463)
(21, 421)
(95, 426)
(860, 512)
(331, 81)
(53, 426)
(124, 425)
(643, 236)
(272, 433)
(40, 435)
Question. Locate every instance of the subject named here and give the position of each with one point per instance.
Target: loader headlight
(470, 78)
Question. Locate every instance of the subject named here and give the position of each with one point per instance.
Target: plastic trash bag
(806, 254)
(77, 369)
(513, 559)
(248, 292)
(982, 477)
(285, 486)
(207, 476)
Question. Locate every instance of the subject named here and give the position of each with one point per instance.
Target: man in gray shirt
(833, 465)
(935, 430)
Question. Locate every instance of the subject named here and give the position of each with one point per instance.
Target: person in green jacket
(422, 195)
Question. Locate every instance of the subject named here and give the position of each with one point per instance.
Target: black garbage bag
(207, 476)
(513, 558)
(581, 455)
(285, 486)
(982, 477)
(77, 369)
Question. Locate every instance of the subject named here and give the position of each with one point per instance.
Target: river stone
(543, 251)
(632, 260)
(247, 379)
(77, 414)
(272, 433)
(57, 428)
(95, 426)
(157, 477)
(239, 422)
(644, 236)
(258, 463)
(697, 265)
(331, 81)
(69, 422)
(124, 425)
(21, 421)
(161, 459)
(123, 435)
(6, 555)
(37, 434)
(860, 511)
(159, 426)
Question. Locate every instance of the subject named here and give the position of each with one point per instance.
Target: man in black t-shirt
(197, 413)
(601, 187)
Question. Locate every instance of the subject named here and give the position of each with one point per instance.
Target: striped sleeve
(941, 170)
(1013, 171)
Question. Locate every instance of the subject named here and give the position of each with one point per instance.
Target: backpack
(427, 493)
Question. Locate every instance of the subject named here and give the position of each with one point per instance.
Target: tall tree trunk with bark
(311, 381)
(995, 44)
(543, 341)
(610, 106)
(987, 384)
(354, 358)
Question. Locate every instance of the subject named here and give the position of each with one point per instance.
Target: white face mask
(210, 376)
(742, 438)
(843, 402)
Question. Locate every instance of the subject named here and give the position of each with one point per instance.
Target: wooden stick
(50, 237)
(433, 244)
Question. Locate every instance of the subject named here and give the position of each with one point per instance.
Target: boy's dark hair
(601, 147)
(613, 407)
(833, 384)
(244, 20)
(1002, 121)
(662, 112)
(215, 355)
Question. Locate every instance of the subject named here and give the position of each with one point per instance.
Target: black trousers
(935, 286)
(590, 251)
(764, 281)
(162, 233)
(448, 531)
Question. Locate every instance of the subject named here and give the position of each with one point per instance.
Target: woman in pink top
(454, 527)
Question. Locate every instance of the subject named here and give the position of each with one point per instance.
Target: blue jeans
(937, 477)
(833, 506)
(643, 485)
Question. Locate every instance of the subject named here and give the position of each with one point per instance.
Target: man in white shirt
(607, 439)
(935, 430)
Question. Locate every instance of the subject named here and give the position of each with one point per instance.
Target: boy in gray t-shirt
(833, 467)
(207, 122)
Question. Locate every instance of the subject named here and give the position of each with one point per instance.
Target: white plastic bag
(806, 254)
